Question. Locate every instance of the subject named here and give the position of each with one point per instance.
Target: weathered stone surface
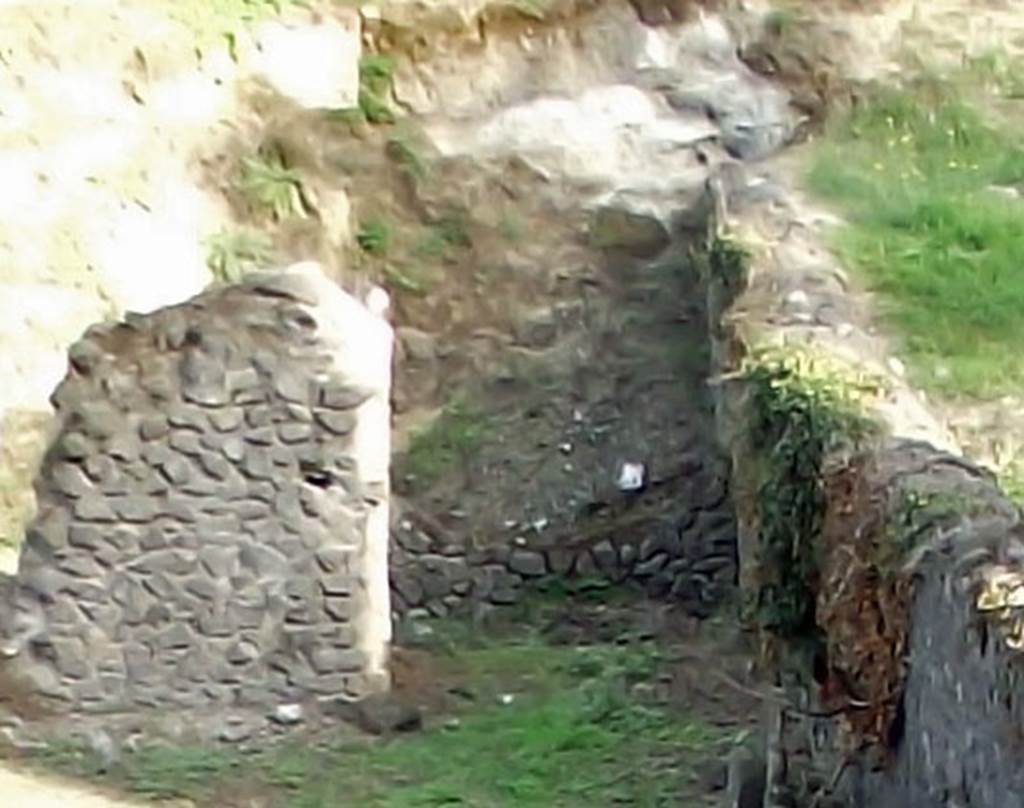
(337, 423)
(527, 562)
(177, 558)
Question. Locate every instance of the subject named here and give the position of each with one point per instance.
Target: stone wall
(213, 509)
(912, 698)
(688, 555)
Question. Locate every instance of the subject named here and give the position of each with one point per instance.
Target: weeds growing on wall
(232, 253)
(270, 187)
(801, 413)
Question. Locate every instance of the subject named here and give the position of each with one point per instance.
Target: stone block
(337, 660)
(94, 508)
(340, 608)
(337, 423)
(70, 479)
(529, 563)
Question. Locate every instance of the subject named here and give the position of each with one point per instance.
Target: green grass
(271, 187)
(374, 237)
(232, 253)
(549, 726)
(913, 171)
(375, 75)
(456, 434)
(403, 149)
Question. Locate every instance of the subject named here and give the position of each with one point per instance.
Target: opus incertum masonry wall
(213, 511)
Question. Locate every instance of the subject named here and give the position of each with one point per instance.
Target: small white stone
(631, 477)
(897, 367)
(565, 448)
(288, 713)
(798, 297)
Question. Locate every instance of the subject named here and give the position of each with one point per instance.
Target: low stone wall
(689, 555)
(911, 694)
(213, 510)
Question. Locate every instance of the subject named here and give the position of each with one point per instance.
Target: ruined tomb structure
(212, 512)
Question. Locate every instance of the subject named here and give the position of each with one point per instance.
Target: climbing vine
(802, 412)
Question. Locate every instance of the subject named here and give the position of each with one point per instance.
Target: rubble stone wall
(213, 508)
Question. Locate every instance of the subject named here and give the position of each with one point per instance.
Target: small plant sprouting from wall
(374, 237)
(375, 74)
(727, 262)
(801, 413)
(232, 253)
(271, 187)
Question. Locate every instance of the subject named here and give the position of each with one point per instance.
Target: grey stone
(339, 608)
(175, 636)
(243, 379)
(337, 660)
(638, 234)
(264, 436)
(220, 562)
(99, 419)
(215, 465)
(295, 432)
(153, 427)
(124, 447)
(259, 416)
(177, 470)
(186, 442)
(202, 587)
(263, 561)
(50, 531)
(337, 423)
(174, 562)
(527, 562)
(652, 566)
(74, 446)
(291, 386)
(86, 537)
(341, 397)
(138, 662)
(80, 565)
(405, 583)
(135, 508)
(584, 566)
(187, 416)
(337, 584)
(70, 657)
(70, 479)
(606, 556)
(257, 464)
(180, 508)
(243, 652)
(93, 508)
(234, 449)
(101, 469)
(226, 419)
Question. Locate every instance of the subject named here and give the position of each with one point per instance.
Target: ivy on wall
(802, 412)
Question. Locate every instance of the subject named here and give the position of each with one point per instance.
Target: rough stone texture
(954, 740)
(214, 509)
